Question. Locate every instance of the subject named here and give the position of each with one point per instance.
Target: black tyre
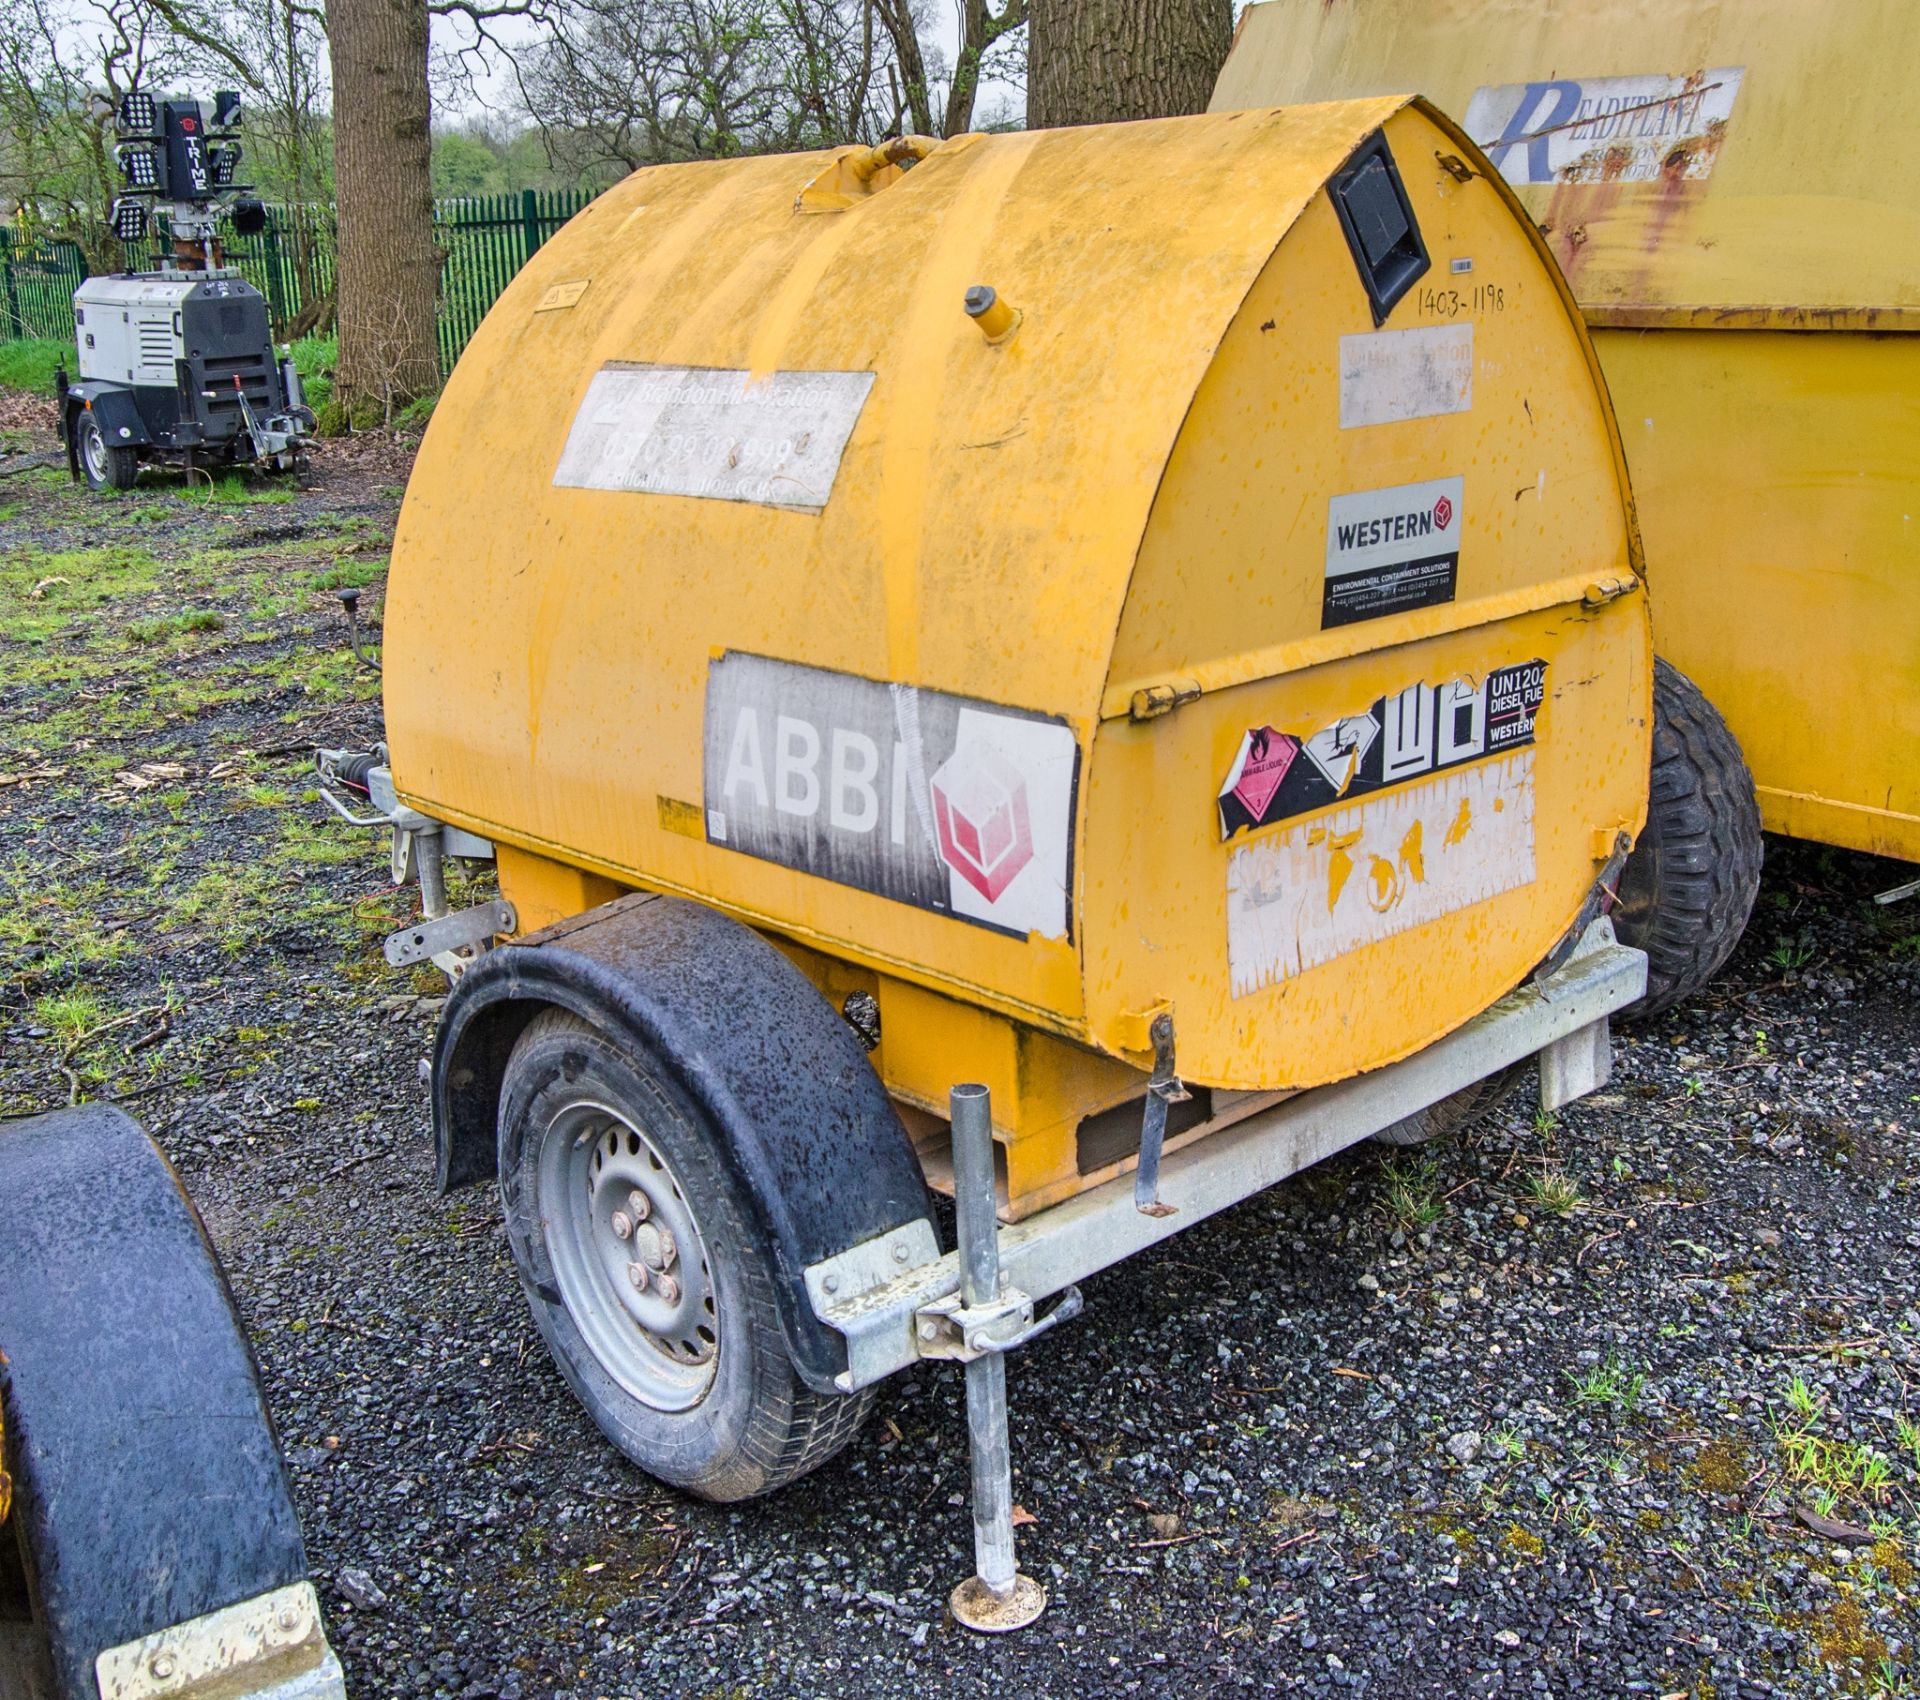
(648, 1279)
(105, 465)
(1455, 1111)
(26, 1661)
(1689, 885)
(148, 1488)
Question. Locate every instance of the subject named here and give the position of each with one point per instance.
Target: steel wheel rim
(659, 1340)
(93, 448)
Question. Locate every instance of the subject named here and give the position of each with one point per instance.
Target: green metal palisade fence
(487, 239)
(37, 281)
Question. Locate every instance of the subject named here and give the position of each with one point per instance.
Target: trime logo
(980, 815)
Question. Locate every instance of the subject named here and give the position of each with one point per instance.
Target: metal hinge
(1153, 701)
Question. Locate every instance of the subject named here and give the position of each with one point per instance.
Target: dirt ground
(1623, 1401)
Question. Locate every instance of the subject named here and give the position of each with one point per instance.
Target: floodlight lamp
(129, 220)
(138, 115)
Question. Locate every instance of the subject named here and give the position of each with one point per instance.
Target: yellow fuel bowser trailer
(1026, 664)
(1735, 202)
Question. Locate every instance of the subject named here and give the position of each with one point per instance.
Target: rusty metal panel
(1749, 155)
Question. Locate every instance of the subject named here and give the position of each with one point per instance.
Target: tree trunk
(389, 268)
(1096, 61)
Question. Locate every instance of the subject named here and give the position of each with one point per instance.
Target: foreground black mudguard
(148, 1486)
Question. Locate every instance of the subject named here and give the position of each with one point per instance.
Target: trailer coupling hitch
(1162, 1090)
(979, 1325)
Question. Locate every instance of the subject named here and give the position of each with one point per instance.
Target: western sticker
(1390, 376)
(697, 431)
(1641, 129)
(1324, 888)
(1391, 550)
(939, 801)
(1411, 735)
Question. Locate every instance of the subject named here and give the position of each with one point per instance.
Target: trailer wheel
(148, 1489)
(647, 1279)
(1454, 1112)
(1689, 885)
(105, 465)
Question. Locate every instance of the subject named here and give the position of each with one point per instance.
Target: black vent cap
(1380, 227)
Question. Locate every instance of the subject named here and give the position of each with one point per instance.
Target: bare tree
(618, 84)
(1093, 61)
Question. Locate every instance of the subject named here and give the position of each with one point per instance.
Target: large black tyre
(105, 465)
(700, 1392)
(1454, 1112)
(1689, 885)
(148, 1487)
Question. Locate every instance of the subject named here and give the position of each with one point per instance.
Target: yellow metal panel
(1776, 478)
(1776, 475)
(1813, 199)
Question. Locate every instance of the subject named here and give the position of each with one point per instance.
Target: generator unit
(178, 364)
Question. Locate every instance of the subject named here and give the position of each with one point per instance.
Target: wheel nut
(639, 1204)
(637, 1274)
(668, 1288)
(622, 1225)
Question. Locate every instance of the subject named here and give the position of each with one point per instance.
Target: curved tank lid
(1125, 250)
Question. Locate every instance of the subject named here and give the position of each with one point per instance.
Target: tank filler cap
(997, 320)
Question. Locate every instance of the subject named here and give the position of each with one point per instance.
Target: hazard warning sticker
(1321, 889)
(1391, 550)
(1424, 729)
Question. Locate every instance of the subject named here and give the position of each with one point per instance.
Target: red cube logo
(980, 813)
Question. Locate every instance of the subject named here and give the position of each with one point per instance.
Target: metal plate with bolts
(1058, 1247)
(428, 939)
(271, 1647)
(871, 1265)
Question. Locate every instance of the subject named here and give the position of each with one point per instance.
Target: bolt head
(928, 1331)
(669, 1252)
(901, 1254)
(831, 1283)
(637, 1274)
(289, 1618)
(622, 1225)
(162, 1666)
(639, 1205)
(668, 1288)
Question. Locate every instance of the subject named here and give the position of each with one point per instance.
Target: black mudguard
(117, 409)
(144, 1463)
(811, 1133)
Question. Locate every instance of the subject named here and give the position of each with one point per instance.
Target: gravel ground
(1544, 1410)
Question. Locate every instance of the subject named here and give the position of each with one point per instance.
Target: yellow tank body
(1735, 200)
(1159, 633)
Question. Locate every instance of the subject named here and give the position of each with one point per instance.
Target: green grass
(1412, 1197)
(161, 627)
(313, 359)
(29, 365)
(236, 489)
(1611, 1384)
(1830, 1471)
(1555, 1191)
